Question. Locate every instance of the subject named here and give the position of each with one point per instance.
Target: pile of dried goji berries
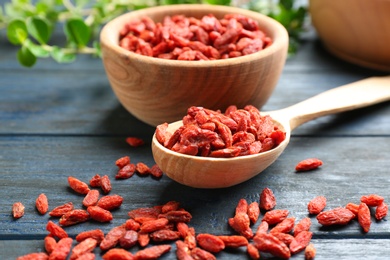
(187, 38)
(236, 132)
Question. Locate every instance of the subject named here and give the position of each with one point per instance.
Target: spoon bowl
(209, 172)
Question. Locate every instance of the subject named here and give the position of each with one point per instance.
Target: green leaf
(77, 32)
(218, 2)
(26, 57)
(38, 50)
(39, 28)
(61, 56)
(17, 32)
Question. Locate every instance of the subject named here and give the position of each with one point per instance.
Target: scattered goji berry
(210, 242)
(122, 162)
(62, 250)
(112, 238)
(17, 210)
(95, 181)
(106, 184)
(42, 204)
(316, 205)
(86, 246)
(55, 230)
(262, 227)
(270, 244)
(61, 210)
(310, 252)
(303, 225)
(170, 206)
(126, 171)
(142, 168)
(78, 185)
(131, 224)
(253, 252)
(285, 226)
(372, 200)
(134, 141)
(300, 241)
(74, 217)
(182, 251)
(91, 198)
(308, 164)
(152, 252)
(354, 208)
(143, 239)
(275, 216)
(284, 237)
(253, 211)
(381, 211)
(34, 256)
(364, 217)
(129, 239)
(110, 202)
(118, 254)
(199, 253)
(50, 243)
(241, 224)
(99, 214)
(164, 235)
(234, 241)
(336, 216)
(156, 172)
(154, 225)
(96, 234)
(267, 199)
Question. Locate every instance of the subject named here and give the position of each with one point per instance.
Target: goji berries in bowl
(158, 89)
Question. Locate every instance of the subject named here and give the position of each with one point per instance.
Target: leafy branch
(31, 24)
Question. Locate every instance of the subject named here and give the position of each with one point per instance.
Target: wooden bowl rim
(109, 36)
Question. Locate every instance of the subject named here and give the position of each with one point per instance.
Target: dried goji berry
(364, 217)
(74, 217)
(300, 241)
(110, 202)
(78, 185)
(118, 254)
(270, 244)
(135, 141)
(336, 216)
(372, 200)
(284, 237)
(285, 226)
(253, 211)
(310, 252)
(42, 204)
(131, 224)
(210, 242)
(61, 210)
(143, 239)
(34, 256)
(50, 243)
(275, 216)
(381, 211)
(303, 225)
(61, 251)
(164, 235)
(17, 210)
(95, 181)
(156, 172)
(199, 253)
(99, 214)
(55, 230)
(354, 208)
(153, 225)
(242, 206)
(267, 199)
(126, 171)
(87, 256)
(129, 239)
(253, 252)
(262, 228)
(182, 251)
(170, 206)
(308, 164)
(86, 246)
(241, 223)
(142, 168)
(316, 205)
(178, 216)
(96, 234)
(106, 184)
(91, 198)
(152, 252)
(122, 162)
(234, 241)
(112, 238)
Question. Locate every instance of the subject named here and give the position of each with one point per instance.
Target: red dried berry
(122, 162)
(267, 199)
(42, 204)
(308, 164)
(270, 244)
(110, 202)
(210, 242)
(316, 205)
(55, 230)
(74, 217)
(99, 214)
(372, 200)
(61, 210)
(17, 210)
(135, 141)
(300, 241)
(275, 216)
(364, 217)
(105, 184)
(381, 211)
(78, 186)
(337, 216)
(91, 198)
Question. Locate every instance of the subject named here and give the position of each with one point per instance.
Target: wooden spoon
(207, 172)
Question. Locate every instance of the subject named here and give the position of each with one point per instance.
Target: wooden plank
(31, 165)
(326, 249)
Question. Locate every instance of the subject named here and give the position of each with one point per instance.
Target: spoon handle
(355, 95)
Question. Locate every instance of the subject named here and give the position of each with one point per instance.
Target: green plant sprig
(31, 25)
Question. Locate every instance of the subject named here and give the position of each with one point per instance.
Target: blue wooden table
(60, 120)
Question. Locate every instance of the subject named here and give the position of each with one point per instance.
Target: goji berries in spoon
(210, 172)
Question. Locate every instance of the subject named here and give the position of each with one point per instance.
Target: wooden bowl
(357, 31)
(157, 90)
